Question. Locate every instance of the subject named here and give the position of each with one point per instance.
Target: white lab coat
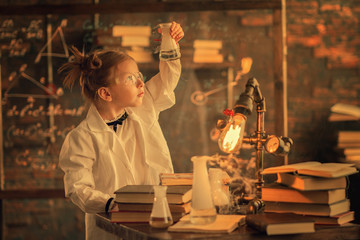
(93, 157)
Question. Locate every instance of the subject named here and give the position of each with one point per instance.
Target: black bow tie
(118, 121)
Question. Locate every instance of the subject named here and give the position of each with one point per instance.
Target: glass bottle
(160, 215)
(169, 49)
(202, 206)
(220, 193)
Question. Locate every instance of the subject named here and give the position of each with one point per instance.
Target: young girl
(120, 141)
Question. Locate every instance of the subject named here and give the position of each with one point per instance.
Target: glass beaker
(160, 215)
(202, 206)
(169, 49)
(220, 192)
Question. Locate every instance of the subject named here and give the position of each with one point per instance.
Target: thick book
(348, 136)
(308, 208)
(121, 30)
(176, 179)
(352, 151)
(328, 170)
(280, 223)
(145, 194)
(278, 193)
(138, 217)
(207, 44)
(337, 117)
(308, 183)
(222, 224)
(347, 109)
(147, 207)
(336, 220)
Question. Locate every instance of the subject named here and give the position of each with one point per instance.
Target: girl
(120, 141)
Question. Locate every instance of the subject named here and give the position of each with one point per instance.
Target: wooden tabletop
(136, 231)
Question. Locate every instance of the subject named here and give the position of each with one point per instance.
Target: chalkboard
(37, 112)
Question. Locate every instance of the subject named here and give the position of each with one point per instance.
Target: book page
(290, 167)
(329, 170)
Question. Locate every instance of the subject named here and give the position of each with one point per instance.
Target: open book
(222, 224)
(328, 170)
(346, 109)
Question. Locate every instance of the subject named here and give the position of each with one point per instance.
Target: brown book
(280, 223)
(337, 117)
(147, 207)
(176, 179)
(348, 136)
(337, 220)
(311, 168)
(308, 208)
(277, 193)
(131, 216)
(352, 151)
(306, 183)
(145, 194)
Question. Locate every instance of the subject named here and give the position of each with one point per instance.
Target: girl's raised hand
(176, 31)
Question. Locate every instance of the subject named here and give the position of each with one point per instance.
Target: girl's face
(128, 89)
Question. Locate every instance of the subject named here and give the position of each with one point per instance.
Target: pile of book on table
(134, 202)
(349, 143)
(312, 189)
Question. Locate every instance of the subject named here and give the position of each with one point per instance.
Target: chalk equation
(51, 110)
(34, 134)
(8, 30)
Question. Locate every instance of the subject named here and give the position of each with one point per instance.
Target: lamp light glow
(231, 137)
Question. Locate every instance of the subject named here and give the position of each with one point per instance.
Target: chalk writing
(34, 131)
(8, 30)
(52, 110)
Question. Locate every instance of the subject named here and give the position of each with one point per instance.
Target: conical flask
(202, 206)
(169, 50)
(160, 215)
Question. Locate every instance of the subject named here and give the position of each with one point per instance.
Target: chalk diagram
(42, 158)
(50, 91)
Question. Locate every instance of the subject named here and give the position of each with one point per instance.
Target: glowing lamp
(230, 139)
(232, 130)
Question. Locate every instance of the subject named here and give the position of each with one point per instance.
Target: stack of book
(136, 41)
(207, 51)
(312, 189)
(134, 202)
(349, 143)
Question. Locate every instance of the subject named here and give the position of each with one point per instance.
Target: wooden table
(137, 231)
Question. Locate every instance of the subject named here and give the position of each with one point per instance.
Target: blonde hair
(93, 70)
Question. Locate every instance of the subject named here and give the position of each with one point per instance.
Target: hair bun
(90, 63)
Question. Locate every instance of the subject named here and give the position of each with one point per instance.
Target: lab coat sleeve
(161, 87)
(76, 160)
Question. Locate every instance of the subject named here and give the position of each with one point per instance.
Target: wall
(323, 69)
